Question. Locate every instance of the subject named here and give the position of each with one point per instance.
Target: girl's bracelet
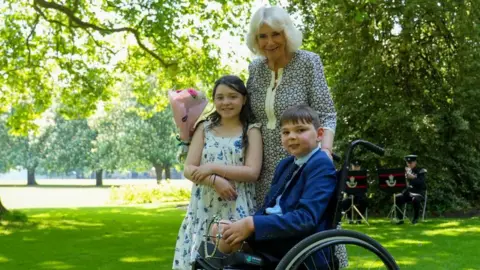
(210, 180)
(214, 178)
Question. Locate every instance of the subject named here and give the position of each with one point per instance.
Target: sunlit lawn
(141, 238)
(91, 238)
(432, 244)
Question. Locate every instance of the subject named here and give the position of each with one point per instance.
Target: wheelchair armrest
(244, 259)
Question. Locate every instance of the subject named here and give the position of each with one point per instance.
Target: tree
(138, 135)
(4, 162)
(71, 51)
(23, 151)
(405, 74)
(106, 154)
(69, 147)
(151, 141)
(29, 151)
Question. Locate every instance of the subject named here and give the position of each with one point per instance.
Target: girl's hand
(225, 189)
(201, 172)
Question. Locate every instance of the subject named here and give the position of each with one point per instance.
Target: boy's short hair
(300, 114)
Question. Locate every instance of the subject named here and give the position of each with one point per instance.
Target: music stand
(392, 181)
(356, 184)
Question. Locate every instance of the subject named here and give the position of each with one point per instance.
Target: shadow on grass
(141, 238)
(433, 244)
(91, 238)
(11, 219)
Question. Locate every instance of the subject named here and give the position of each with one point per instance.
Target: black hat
(356, 162)
(410, 158)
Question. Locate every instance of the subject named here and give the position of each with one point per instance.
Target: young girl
(224, 161)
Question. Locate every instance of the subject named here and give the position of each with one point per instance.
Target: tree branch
(37, 19)
(42, 14)
(86, 25)
(98, 43)
(75, 6)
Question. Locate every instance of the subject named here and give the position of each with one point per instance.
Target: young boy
(301, 189)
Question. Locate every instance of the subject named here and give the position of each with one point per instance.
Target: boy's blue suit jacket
(303, 203)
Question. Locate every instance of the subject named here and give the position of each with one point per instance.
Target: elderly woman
(283, 76)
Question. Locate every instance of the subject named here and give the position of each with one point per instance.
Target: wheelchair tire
(300, 252)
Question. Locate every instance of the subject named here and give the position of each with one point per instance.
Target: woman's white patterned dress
(205, 202)
(301, 81)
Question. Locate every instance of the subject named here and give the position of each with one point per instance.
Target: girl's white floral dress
(205, 202)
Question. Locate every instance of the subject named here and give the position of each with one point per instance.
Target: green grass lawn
(91, 238)
(142, 238)
(432, 244)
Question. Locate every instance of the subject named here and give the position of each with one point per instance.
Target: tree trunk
(31, 177)
(99, 178)
(167, 171)
(158, 172)
(2, 208)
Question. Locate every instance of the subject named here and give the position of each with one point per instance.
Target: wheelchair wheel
(363, 251)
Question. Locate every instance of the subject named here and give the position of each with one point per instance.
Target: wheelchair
(322, 243)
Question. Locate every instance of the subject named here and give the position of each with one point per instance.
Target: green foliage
(125, 136)
(70, 54)
(105, 153)
(5, 162)
(404, 74)
(72, 58)
(26, 152)
(69, 147)
(151, 140)
(134, 136)
(138, 194)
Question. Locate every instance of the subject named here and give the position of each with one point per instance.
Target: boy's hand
(201, 172)
(238, 231)
(225, 189)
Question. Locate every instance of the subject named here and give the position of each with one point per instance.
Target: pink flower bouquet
(187, 106)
